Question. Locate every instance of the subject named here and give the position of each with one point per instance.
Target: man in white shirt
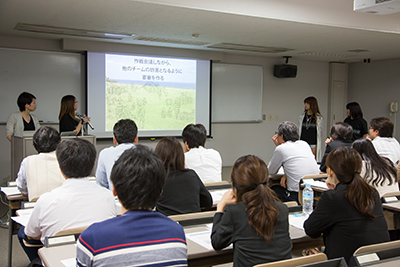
(41, 173)
(77, 203)
(381, 134)
(125, 137)
(207, 163)
(296, 158)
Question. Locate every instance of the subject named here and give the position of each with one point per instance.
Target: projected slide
(161, 94)
(157, 93)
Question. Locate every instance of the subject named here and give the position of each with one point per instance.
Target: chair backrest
(377, 247)
(391, 194)
(314, 176)
(291, 203)
(71, 231)
(64, 237)
(193, 218)
(296, 261)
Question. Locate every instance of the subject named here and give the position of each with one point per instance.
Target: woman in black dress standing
(310, 126)
(356, 120)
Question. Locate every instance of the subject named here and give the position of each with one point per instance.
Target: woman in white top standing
(18, 122)
(310, 126)
(377, 171)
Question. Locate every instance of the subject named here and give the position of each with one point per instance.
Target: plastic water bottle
(308, 199)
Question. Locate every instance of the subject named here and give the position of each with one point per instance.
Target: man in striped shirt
(381, 134)
(140, 236)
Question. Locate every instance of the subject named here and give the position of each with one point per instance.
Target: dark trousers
(285, 195)
(31, 252)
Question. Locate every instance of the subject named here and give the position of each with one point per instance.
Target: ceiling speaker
(285, 71)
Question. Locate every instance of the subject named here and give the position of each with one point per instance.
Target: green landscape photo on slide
(152, 107)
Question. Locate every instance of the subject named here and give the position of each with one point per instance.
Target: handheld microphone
(82, 117)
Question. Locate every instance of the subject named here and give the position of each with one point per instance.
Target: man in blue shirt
(140, 237)
(125, 137)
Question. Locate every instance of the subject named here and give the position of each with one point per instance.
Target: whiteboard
(47, 75)
(236, 93)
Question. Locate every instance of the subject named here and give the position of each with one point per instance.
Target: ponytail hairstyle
(374, 164)
(346, 163)
(250, 179)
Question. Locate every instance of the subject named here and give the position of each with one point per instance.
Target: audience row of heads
(380, 126)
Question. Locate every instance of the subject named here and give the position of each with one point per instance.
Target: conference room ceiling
(317, 30)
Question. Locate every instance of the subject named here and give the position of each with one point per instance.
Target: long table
(197, 255)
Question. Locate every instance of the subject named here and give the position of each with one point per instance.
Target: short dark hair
(355, 110)
(125, 131)
(76, 157)
(289, 131)
(341, 131)
(138, 177)
(170, 151)
(195, 135)
(46, 139)
(383, 125)
(23, 99)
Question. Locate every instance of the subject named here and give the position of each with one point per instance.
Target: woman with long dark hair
(251, 217)
(355, 119)
(350, 215)
(377, 171)
(341, 135)
(310, 126)
(183, 191)
(68, 121)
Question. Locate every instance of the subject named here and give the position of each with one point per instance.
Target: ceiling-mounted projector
(379, 7)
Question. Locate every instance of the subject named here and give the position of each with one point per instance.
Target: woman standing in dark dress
(310, 126)
(183, 191)
(356, 120)
(68, 121)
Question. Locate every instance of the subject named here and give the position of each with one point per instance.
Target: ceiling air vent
(71, 32)
(250, 48)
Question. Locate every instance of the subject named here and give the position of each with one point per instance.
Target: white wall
(281, 97)
(374, 85)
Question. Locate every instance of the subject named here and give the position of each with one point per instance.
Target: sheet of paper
(201, 238)
(297, 219)
(217, 195)
(24, 212)
(69, 262)
(22, 220)
(10, 191)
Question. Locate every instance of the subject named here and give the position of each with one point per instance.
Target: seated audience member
(76, 203)
(350, 215)
(341, 135)
(381, 134)
(251, 217)
(207, 163)
(378, 171)
(125, 137)
(41, 173)
(140, 237)
(356, 121)
(183, 191)
(296, 158)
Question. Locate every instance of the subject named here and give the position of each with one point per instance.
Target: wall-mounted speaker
(285, 71)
